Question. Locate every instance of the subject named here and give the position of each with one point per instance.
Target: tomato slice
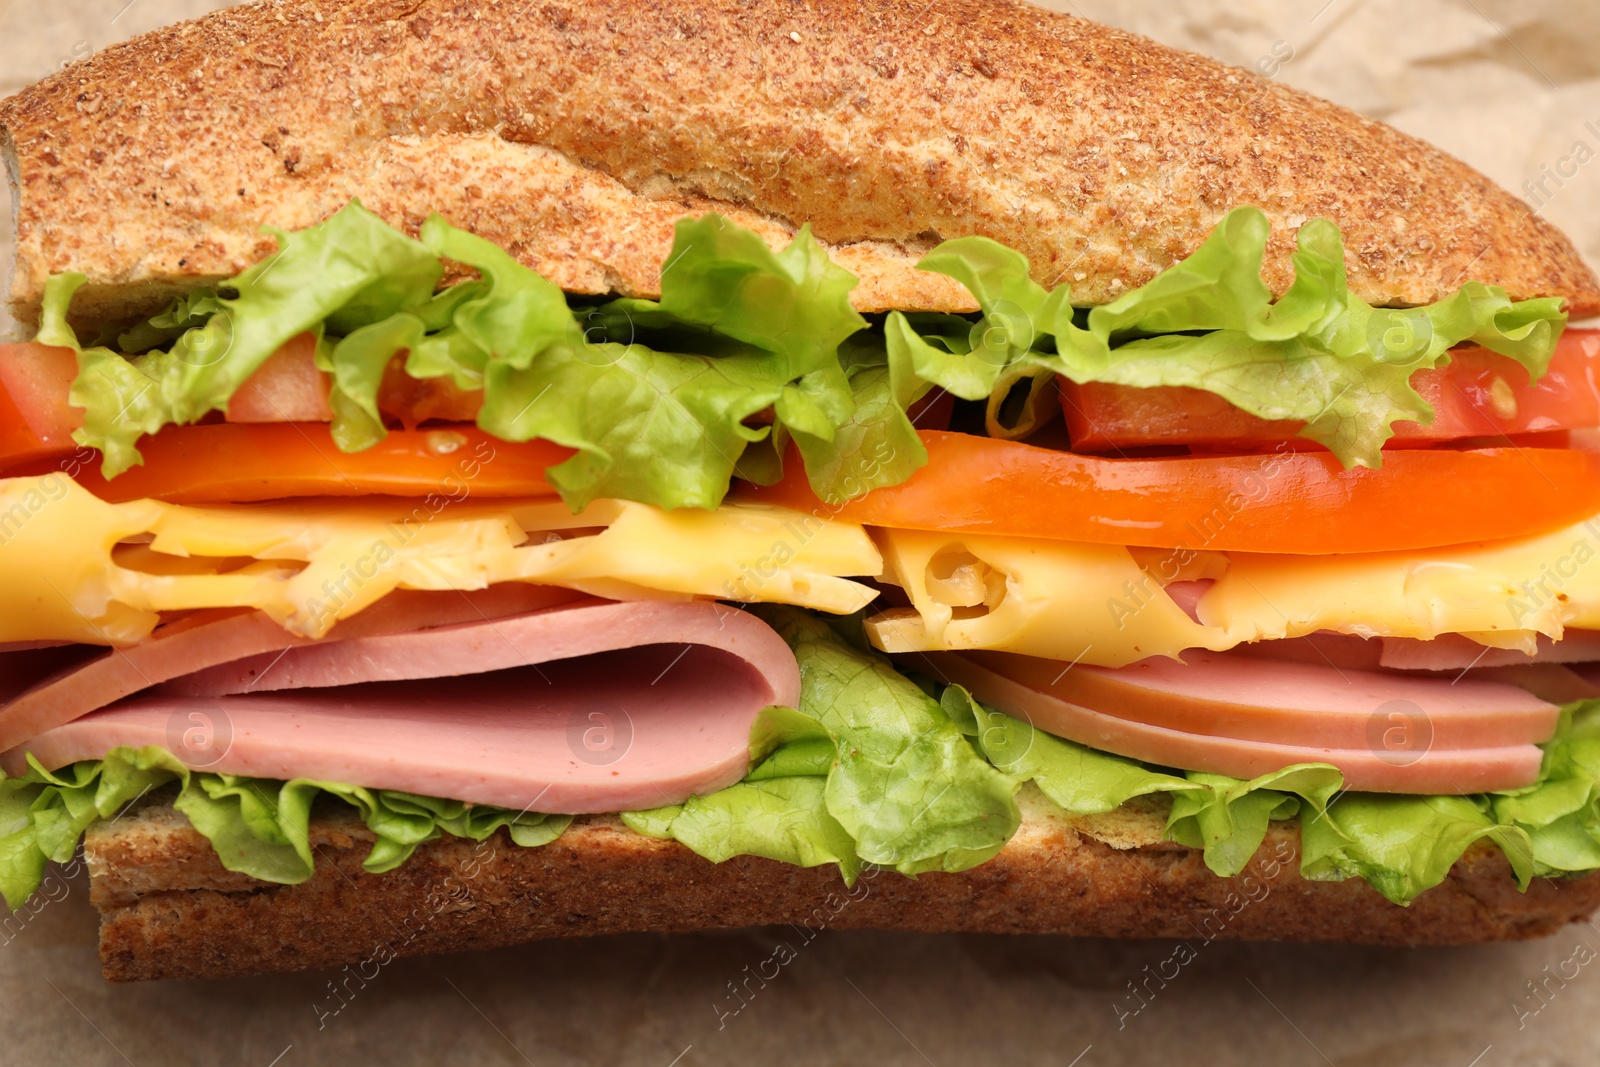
(1478, 394)
(1295, 502)
(36, 421)
(246, 462)
(35, 418)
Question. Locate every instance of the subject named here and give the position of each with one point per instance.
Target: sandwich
(479, 474)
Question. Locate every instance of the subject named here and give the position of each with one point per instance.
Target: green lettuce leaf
(44, 814)
(785, 742)
(347, 272)
(907, 786)
(1080, 779)
(1320, 355)
(659, 427)
(1561, 812)
(1225, 817)
(960, 369)
(869, 769)
(794, 303)
(186, 311)
(1230, 820)
(722, 281)
(658, 397)
(257, 826)
(357, 363)
(875, 445)
(1403, 845)
(779, 811)
(781, 818)
(653, 395)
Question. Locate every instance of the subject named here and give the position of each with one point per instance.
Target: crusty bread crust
(576, 134)
(169, 910)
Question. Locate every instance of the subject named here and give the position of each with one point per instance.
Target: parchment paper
(1509, 86)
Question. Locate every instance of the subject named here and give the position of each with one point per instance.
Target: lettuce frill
(749, 350)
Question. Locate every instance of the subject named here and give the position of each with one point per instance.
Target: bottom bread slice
(169, 909)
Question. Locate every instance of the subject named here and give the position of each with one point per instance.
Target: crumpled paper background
(1511, 87)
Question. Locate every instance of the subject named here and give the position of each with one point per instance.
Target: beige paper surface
(1508, 86)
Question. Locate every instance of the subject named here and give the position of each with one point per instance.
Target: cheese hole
(551, 537)
(142, 558)
(1187, 594)
(961, 581)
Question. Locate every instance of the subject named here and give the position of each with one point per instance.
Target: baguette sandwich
(482, 473)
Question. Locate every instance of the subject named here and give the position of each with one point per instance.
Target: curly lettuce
(871, 770)
(257, 826)
(348, 272)
(655, 397)
(1320, 355)
(1400, 844)
(750, 350)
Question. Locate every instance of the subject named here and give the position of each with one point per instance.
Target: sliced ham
(1447, 652)
(474, 647)
(1589, 672)
(1244, 718)
(1555, 682)
(73, 683)
(1278, 702)
(612, 707)
(1321, 649)
(21, 669)
(1453, 652)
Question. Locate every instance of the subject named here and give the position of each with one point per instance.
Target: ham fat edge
(770, 543)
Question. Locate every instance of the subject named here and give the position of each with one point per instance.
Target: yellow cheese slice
(1504, 594)
(1106, 606)
(75, 568)
(1056, 600)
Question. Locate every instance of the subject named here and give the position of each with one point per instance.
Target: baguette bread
(576, 138)
(170, 910)
(576, 135)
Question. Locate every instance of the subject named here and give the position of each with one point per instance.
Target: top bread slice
(576, 134)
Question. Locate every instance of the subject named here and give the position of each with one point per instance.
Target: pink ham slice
(59, 685)
(1246, 717)
(1321, 649)
(1555, 682)
(1452, 652)
(474, 647)
(612, 707)
(1447, 652)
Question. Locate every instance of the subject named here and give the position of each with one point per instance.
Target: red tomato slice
(36, 421)
(35, 418)
(1478, 394)
(288, 387)
(245, 462)
(1295, 502)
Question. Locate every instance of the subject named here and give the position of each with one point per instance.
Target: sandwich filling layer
(259, 560)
